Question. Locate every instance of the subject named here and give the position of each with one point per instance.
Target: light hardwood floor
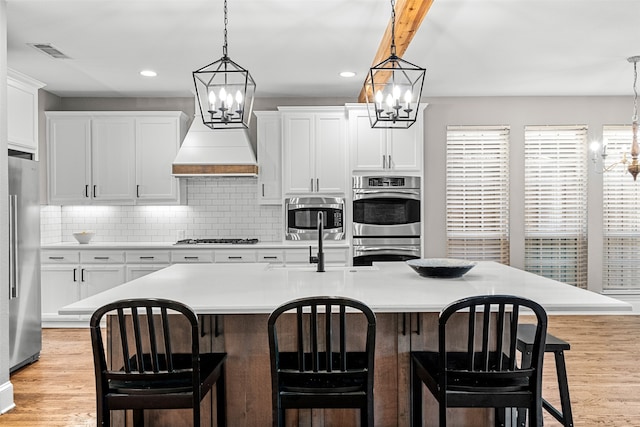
(603, 368)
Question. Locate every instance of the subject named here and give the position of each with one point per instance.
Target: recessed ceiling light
(148, 73)
(347, 74)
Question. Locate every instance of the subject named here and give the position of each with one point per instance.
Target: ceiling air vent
(49, 50)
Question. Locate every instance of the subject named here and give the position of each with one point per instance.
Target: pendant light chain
(393, 28)
(226, 20)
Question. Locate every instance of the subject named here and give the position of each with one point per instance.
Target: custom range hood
(207, 152)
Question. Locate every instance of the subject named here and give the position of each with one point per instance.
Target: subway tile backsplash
(217, 207)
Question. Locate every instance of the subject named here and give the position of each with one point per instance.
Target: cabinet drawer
(273, 256)
(191, 256)
(235, 256)
(148, 257)
(101, 257)
(60, 257)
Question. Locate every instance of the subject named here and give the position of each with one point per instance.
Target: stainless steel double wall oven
(386, 218)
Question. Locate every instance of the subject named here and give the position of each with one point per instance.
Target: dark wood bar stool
(557, 347)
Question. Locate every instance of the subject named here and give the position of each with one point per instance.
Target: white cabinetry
(315, 150)
(22, 112)
(113, 157)
(142, 262)
(69, 276)
(384, 149)
(269, 157)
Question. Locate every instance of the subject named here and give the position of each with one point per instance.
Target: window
(478, 193)
(555, 202)
(621, 216)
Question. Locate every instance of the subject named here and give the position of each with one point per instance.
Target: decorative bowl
(84, 236)
(441, 267)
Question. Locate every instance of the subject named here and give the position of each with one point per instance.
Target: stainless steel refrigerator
(25, 315)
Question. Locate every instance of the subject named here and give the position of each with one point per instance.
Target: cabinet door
(60, 287)
(299, 174)
(113, 159)
(368, 145)
(69, 150)
(269, 158)
(157, 143)
(22, 116)
(330, 153)
(404, 149)
(98, 278)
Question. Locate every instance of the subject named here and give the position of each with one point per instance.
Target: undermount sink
(313, 267)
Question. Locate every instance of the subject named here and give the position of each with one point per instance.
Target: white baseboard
(6, 397)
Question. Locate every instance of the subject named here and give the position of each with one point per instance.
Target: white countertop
(172, 245)
(391, 287)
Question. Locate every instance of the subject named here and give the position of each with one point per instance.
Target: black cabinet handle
(82, 274)
(56, 257)
(147, 257)
(191, 257)
(417, 323)
(94, 190)
(86, 190)
(101, 257)
(74, 275)
(234, 257)
(137, 191)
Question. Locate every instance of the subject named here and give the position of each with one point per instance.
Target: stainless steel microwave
(301, 218)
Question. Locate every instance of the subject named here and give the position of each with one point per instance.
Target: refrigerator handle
(13, 246)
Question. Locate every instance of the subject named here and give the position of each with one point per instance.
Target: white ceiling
(296, 48)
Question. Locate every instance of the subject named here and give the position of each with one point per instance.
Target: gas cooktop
(218, 241)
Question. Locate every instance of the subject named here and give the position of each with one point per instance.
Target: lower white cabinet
(143, 262)
(69, 276)
(235, 255)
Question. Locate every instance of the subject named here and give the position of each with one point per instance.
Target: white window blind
(556, 202)
(478, 193)
(621, 215)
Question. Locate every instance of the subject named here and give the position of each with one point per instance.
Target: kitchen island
(234, 302)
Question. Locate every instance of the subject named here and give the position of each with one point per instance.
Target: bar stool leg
(563, 386)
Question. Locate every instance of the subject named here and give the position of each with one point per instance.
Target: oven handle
(375, 194)
(387, 249)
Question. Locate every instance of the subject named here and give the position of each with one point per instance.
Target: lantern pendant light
(393, 88)
(224, 91)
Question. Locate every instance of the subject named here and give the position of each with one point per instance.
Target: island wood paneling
(602, 365)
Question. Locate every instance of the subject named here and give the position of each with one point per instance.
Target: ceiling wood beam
(409, 16)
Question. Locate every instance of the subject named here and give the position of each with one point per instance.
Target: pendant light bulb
(407, 97)
(223, 95)
(389, 100)
(212, 100)
(229, 100)
(396, 93)
(379, 98)
(239, 97)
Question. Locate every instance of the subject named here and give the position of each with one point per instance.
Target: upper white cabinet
(22, 112)
(315, 150)
(113, 157)
(384, 149)
(157, 142)
(269, 157)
